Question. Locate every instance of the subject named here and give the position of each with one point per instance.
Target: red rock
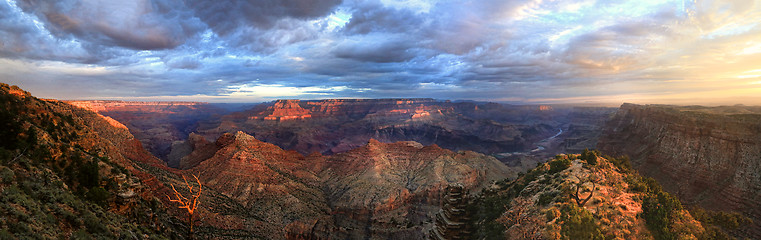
(284, 110)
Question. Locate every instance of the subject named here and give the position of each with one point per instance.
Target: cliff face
(706, 156)
(284, 110)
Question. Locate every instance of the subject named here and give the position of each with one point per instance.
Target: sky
(536, 51)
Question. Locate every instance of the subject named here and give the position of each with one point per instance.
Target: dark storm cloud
(184, 63)
(264, 25)
(226, 16)
(372, 17)
(380, 50)
(139, 25)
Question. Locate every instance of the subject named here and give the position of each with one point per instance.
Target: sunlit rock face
(284, 110)
(706, 156)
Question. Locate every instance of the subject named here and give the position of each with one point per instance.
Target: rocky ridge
(581, 197)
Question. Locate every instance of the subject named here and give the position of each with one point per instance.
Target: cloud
(382, 49)
(486, 49)
(263, 26)
(140, 25)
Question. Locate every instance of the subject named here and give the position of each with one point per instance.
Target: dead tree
(190, 204)
(579, 201)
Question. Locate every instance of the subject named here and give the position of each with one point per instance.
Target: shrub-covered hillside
(589, 197)
(58, 179)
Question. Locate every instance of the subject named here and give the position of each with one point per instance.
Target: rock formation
(706, 156)
(452, 221)
(284, 110)
(399, 184)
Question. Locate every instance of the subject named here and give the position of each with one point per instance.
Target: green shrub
(81, 234)
(559, 164)
(578, 223)
(659, 209)
(5, 235)
(718, 223)
(88, 174)
(6, 175)
(546, 198)
(590, 156)
(642, 184)
(622, 163)
(98, 195)
(94, 225)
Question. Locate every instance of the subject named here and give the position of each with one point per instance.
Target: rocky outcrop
(706, 156)
(283, 110)
(452, 221)
(393, 190)
(275, 188)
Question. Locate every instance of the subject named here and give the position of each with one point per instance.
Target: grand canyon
(376, 168)
(380, 119)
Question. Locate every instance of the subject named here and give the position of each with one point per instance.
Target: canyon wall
(707, 156)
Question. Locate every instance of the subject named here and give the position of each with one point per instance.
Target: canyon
(508, 132)
(250, 188)
(158, 124)
(371, 168)
(708, 156)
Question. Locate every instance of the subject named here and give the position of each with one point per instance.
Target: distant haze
(535, 52)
